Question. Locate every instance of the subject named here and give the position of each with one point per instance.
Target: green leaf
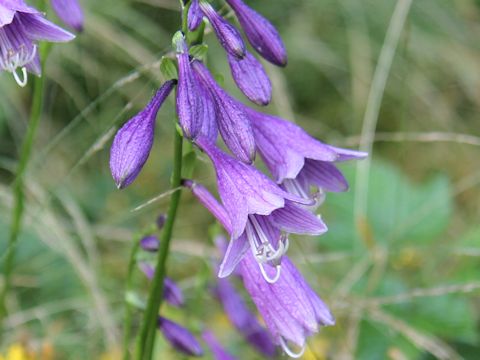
(199, 51)
(168, 68)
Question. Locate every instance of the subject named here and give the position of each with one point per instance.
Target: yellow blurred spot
(317, 349)
(17, 352)
(408, 259)
(114, 354)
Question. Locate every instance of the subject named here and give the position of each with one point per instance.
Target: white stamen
(267, 278)
(289, 352)
(21, 82)
(293, 187)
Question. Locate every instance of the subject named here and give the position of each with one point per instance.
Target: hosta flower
(295, 159)
(256, 212)
(227, 34)
(233, 123)
(189, 104)
(70, 12)
(218, 352)
(243, 319)
(21, 27)
(133, 142)
(149, 243)
(171, 292)
(209, 117)
(195, 16)
(261, 34)
(292, 311)
(179, 337)
(251, 78)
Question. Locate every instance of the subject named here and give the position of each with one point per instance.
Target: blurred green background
(402, 277)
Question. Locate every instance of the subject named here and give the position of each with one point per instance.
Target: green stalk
(19, 186)
(148, 329)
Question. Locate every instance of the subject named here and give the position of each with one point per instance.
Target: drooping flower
(171, 292)
(243, 319)
(251, 78)
(261, 34)
(256, 213)
(295, 159)
(189, 105)
(218, 352)
(195, 16)
(70, 12)
(232, 121)
(133, 142)
(209, 116)
(21, 27)
(179, 337)
(149, 243)
(227, 34)
(292, 311)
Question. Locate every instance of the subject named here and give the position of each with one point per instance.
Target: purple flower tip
(261, 34)
(150, 243)
(195, 16)
(171, 292)
(179, 337)
(133, 142)
(70, 12)
(161, 221)
(227, 34)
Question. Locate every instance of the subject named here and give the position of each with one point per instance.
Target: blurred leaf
(168, 68)
(199, 51)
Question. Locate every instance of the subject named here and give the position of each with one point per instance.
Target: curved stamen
(293, 187)
(21, 82)
(289, 352)
(267, 278)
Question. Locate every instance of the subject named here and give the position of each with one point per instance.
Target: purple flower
(229, 37)
(195, 16)
(243, 319)
(133, 142)
(295, 159)
(232, 121)
(219, 353)
(21, 27)
(179, 337)
(261, 34)
(292, 311)
(149, 243)
(70, 12)
(209, 117)
(171, 293)
(251, 78)
(256, 214)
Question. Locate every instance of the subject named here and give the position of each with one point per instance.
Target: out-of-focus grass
(403, 283)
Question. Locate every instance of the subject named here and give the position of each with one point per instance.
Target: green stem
(148, 329)
(19, 186)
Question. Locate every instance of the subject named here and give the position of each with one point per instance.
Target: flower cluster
(259, 212)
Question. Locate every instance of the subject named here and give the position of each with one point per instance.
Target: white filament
(267, 278)
(289, 352)
(23, 81)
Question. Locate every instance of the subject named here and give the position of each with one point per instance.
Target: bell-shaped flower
(133, 142)
(292, 311)
(70, 12)
(179, 337)
(21, 27)
(295, 159)
(243, 319)
(189, 104)
(232, 121)
(195, 16)
(255, 214)
(251, 78)
(218, 352)
(261, 34)
(227, 34)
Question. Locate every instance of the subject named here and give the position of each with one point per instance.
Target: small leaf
(168, 68)
(134, 299)
(199, 51)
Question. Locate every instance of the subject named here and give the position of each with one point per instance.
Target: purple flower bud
(227, 34)
(171, 292)
(195, 16)
(133, 142)
(179, 337)
(261, 34)
(189, 105)
(161, 221)
(70, 12)
(251, 78)
(290, 308)
(233, 123)
(209, 116)
(243, 319)
(218, 352)
(21, 27)
(150, 243)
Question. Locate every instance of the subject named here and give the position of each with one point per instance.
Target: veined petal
(235, 252)
(324, 175)
(347, 154)
(70, 12)
(39, 28)
(195, 16)
(295, 219)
